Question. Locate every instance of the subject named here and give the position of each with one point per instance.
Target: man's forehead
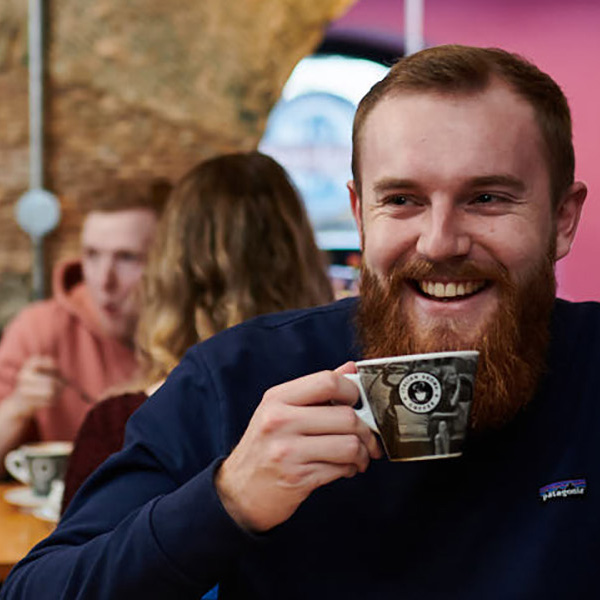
(486, 125)
(127, 228)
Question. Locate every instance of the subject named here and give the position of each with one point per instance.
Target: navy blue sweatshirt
(517, 516)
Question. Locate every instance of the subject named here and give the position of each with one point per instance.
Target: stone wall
(138, 86)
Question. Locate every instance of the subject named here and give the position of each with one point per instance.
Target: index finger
(323, 387)
(43, 362)
(347, 367)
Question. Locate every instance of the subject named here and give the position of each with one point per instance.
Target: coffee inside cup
(52, 448)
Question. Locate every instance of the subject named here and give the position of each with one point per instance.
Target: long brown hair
(234, 242)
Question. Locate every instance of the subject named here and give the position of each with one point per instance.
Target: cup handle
(15, 464)
(364, 412)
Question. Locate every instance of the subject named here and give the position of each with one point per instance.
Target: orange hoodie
(65, 327)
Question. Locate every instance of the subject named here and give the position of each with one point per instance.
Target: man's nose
(108, 277)
(443, 235)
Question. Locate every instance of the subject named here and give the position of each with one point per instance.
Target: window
(309, 132)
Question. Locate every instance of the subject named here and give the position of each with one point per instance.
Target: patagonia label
(570, 488)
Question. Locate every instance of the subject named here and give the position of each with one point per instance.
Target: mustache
(420, 269)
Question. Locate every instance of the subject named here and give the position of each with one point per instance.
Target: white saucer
(46, 513)
(24, 496)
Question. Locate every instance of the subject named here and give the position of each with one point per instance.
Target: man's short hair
(125, 194)
(466, 70)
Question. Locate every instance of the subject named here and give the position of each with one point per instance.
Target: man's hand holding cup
(304, 434)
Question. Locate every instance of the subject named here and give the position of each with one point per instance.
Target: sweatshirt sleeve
(148, 523)
(20, 340)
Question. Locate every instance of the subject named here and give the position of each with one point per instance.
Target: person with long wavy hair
(234, 242)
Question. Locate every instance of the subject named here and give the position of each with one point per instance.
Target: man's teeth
(451, 289)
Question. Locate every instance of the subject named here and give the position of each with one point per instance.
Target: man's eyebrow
(392, 183)
(388, 184)
(508, 181)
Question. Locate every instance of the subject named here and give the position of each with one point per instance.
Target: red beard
(512, 344)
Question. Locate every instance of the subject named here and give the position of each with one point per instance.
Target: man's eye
(397, 200)
(485, 198)
(129, 257)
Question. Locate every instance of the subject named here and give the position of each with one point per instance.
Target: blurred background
(137, 86)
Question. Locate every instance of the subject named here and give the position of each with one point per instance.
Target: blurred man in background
(59, 355)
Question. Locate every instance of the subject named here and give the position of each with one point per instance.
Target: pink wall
(563, 38)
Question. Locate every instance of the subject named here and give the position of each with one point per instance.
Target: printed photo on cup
(419, 404)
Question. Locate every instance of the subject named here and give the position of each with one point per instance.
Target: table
(19, 532)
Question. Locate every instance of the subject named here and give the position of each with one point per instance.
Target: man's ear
(567, 217)
(356, 206)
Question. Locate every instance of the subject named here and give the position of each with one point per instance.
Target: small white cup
(418, 404)
(38, 465)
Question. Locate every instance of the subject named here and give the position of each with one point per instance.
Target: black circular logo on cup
(420, 392)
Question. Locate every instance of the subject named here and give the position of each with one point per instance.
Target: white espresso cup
(419, 404)
(39, 464)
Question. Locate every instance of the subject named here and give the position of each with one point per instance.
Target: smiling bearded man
(512, 345)
(463, 208)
